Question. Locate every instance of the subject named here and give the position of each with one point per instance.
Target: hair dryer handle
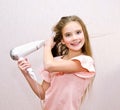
(31, 73)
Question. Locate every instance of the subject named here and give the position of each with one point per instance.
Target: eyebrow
(75, 31)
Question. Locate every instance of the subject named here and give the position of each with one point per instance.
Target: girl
(68, 66)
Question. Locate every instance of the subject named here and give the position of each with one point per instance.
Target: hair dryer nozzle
(12, 55)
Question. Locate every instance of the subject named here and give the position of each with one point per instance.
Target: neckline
(62, 57)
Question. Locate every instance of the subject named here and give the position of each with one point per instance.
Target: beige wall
(22, 21)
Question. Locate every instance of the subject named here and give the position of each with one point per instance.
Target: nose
(74, 37)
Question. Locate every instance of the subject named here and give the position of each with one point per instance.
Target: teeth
(75, 43)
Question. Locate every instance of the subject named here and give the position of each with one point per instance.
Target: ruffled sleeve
(45, 75)
(88, 63)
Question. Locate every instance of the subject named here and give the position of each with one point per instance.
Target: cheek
(83, 42)
(82, 38)
(65, 41)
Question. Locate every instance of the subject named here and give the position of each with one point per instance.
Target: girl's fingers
(23, 64)
(50, 42)
(22, 59)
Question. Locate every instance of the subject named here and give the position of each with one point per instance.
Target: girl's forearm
(48, 57)
(36, 87)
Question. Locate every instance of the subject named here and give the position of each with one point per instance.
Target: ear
(62, 41)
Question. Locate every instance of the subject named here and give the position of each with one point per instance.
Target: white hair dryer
(24, 50)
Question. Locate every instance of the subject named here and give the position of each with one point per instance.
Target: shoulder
(86, 62)
(83, 58)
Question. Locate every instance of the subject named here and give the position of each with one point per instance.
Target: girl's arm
(60, 65)
(38, 89)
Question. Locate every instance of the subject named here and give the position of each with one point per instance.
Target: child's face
(73, 36)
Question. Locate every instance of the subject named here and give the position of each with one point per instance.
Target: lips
(75, 43)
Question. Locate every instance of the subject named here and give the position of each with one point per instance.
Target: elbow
(41, 95)
(48, 67)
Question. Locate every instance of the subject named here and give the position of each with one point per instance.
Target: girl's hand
(23, 65)
(50, 42)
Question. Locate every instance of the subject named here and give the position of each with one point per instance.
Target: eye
(67, 34)
(78, 32)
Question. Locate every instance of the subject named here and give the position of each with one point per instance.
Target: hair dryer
(24, 50)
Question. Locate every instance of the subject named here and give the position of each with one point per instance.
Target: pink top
(66, 90)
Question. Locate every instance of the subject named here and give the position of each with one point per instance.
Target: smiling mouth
(75, 43)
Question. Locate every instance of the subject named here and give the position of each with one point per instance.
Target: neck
(72, 54)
